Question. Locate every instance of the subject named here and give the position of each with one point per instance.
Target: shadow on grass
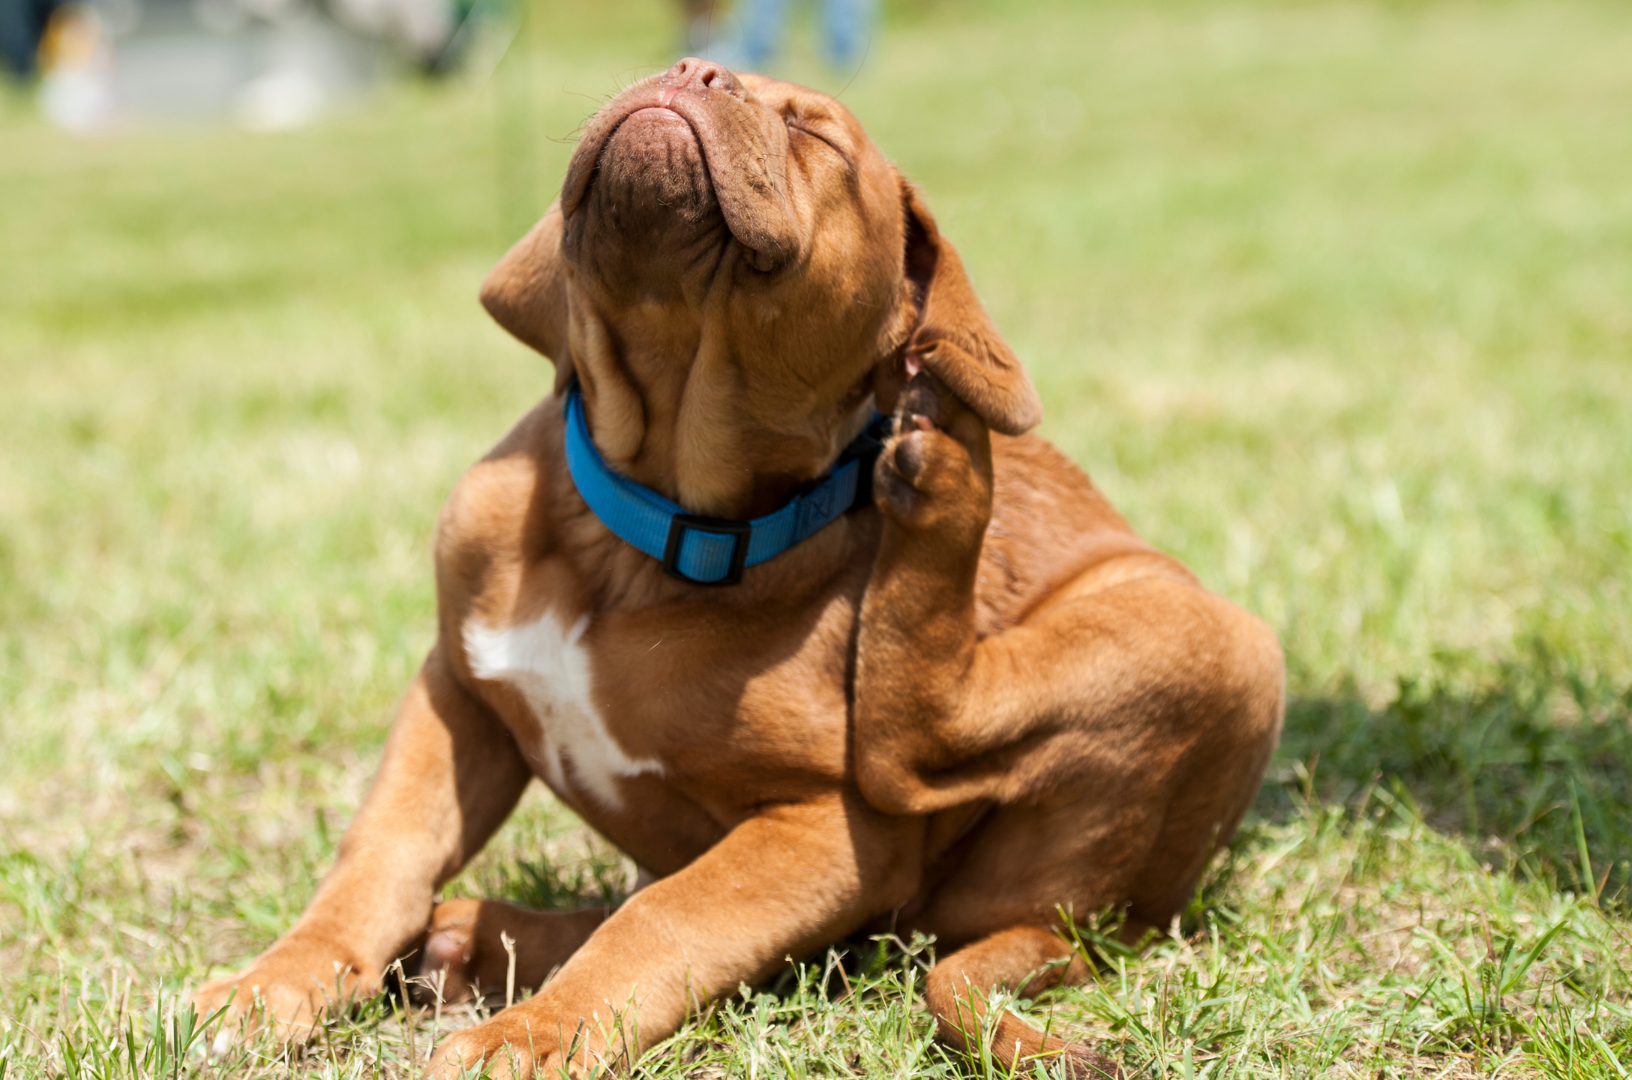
(1532, 762)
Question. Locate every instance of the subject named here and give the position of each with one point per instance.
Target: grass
(1331, 298)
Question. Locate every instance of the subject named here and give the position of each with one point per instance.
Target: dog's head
(734, 273)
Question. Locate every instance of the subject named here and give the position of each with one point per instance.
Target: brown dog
(961, 708)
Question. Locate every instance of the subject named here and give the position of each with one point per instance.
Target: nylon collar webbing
(709, 550)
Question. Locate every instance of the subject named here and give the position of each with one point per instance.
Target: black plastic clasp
(680, 524)
(865, 450)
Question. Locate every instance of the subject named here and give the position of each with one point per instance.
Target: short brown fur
(978, 703)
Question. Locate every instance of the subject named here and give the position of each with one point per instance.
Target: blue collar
(708, 550)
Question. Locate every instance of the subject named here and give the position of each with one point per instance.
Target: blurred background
(1333, 298)
(270, 64)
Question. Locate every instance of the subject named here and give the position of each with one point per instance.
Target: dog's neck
(673, 405)
(711, 458)
(678, 402)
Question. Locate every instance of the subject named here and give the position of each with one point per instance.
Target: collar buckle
(864, 451)
(680, 524)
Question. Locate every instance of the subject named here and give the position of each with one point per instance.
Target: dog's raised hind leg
(1123, 680)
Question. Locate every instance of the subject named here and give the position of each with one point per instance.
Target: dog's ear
(955, 338)
(527, 293)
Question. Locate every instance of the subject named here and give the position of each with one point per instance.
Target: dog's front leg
(782, 883)
(450, 775)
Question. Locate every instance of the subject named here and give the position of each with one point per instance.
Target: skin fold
(977, 703)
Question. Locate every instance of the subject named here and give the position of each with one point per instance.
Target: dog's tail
(1026, 960)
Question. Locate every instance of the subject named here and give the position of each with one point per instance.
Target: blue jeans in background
(21, 24)
(846, 27)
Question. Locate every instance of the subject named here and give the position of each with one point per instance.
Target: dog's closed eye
(802, 126)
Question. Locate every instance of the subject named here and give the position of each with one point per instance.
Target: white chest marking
(547, 663)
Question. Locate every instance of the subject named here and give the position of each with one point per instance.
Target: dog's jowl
(778, 593)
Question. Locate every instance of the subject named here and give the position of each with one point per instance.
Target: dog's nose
(694, 74)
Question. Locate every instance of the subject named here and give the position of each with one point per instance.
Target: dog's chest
(570, 745)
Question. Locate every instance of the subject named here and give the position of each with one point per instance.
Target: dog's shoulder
(498, 512)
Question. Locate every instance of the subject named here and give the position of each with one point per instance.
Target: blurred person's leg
(712, 32)
(848, 26)
(21, 24)
(761, 30)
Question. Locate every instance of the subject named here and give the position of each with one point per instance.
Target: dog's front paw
(935, 473)
(291, 987)
(489, 1050)
(520, 1042)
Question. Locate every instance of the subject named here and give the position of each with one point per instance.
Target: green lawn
(1333, 299)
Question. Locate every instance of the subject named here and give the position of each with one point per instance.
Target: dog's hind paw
(488, 948)
(935, 472)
